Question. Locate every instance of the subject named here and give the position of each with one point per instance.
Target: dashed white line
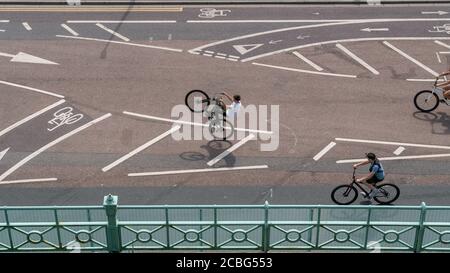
(357, 59)
(2, 30)
(324, 151)
(438, 57)
(122, 43)
(32, 89)
(28, 181)
(233, 56)
(393, 143)
(399, 150)
(207, 55)
(220, 57)
(230, 59)
(394, 158)
(26, 26)
(200, 170)
(260, 21)
(221, 54)
(118, 35)
(306, 60)
(141, 148)
(306, 71)
(73, 32)
(426, 68)
(231, 149)
(54, 142)
(122, 22)
(17, 124)
(4, 21)
(209, 52)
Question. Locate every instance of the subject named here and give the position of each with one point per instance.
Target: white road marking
(220, 57)
(208, 55)
(244, 49)
(232, 56)
(2, 30)
(444, 52)
(426, 68)
(17, 124)
(170, 37)
(393, 143)
(230, 150)
(73, 32)
(423, 80)
(374, 29)
(394, 158)
(121, 22)
(306, 60)
(231, 59)
(2, 153)
(54, 142)
(259, 21)
(201, 170)
(324, 151)
(22, 57)
(28, 181)
(4, 21)
(118, 35)
(357, 59)
(26, 26)
(32, 89)
(438, 57)
(440, 12)
(399, 150)
(209, 52)
(140, 148)
(306, 71)
(122, 43)
(221, 54)
(191, 123)
(442, 44)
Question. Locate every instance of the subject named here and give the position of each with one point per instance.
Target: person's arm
(366, 177)
(228, 96)
(360, 164)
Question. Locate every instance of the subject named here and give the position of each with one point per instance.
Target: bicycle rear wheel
(388, 193)
(221, 129)
(197, 101)
(344, 194)
(426, 101)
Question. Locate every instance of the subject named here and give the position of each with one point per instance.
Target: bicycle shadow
(213, 149)
(440, 121)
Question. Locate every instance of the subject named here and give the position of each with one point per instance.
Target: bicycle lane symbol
(64, 116)
(212, 12)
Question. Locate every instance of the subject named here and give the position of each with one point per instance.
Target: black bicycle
(347, 194)
(199, 102)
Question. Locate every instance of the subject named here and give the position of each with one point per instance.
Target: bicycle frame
(439, 92)
(354, 183)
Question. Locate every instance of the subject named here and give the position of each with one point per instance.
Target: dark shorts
(374, 180)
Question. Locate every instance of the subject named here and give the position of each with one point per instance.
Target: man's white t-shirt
(234, 109)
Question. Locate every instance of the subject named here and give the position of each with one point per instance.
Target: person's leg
(447, 92)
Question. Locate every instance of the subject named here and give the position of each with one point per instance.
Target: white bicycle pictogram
(444, 28)
(212, 12)
(64, 116)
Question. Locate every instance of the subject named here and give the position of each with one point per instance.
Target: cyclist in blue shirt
(376, 173)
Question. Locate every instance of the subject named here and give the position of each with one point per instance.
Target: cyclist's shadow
(440, 118)
(213, 149)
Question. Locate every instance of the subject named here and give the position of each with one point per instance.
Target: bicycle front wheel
(197, 101)
(221, 129)
(426, 101)
(387, 194)
(344, 195)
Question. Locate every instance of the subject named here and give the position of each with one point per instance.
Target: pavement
(89, 96)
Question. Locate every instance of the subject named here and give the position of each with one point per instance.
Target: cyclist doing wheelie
(376, 174)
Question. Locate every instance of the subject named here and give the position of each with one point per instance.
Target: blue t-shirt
(378, 170)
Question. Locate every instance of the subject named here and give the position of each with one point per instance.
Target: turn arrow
(374, 29)
(435, 12)
(2, 153)
(275, 42)
(26, 58)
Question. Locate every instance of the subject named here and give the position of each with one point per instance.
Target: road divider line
(357, 59)
(119, 42)
(191, 123)
(306, 60)
(305, 71)
(32, 89)
(121, 22)
(230, 150)
(4, 21)
(27, 26)
(73, 32)
(393, 143)
(30, 117)
(141, 148)
(260, 21)
(399, 150)
(394, 158)
(28, 181)
(47, 146)
(426, 68)
(118, 35)
(324, 151)
(200, 170)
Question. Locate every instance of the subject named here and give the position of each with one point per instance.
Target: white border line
(394, 158)
(119, 42)
(441, 43)
(4, 21)
(423, 80)
(73, 32)
(27, 26)
(324, 151)
(190, 123)
(393, 143)
(358, 59)
(32, 89)
(54, 142)
(121, 22)
(28, 181)
(306, 60)
(426, 68)
(200, 170)
(118, 35)
(140, 148)
(20, 122)
(305, 71)
(261, 21)
(230, 150)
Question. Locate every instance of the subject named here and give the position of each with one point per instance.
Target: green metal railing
(114, 228)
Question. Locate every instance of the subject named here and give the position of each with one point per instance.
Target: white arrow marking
(2, 153)
(316, 13)
(26, 58)
(374, 29)
(275, 42)
(244, 49)
(440, 12)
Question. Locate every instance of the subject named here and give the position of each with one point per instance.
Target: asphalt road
(344, 78)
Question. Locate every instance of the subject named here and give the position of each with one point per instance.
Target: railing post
(112, 230)
(421, 231)
(266, 239)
